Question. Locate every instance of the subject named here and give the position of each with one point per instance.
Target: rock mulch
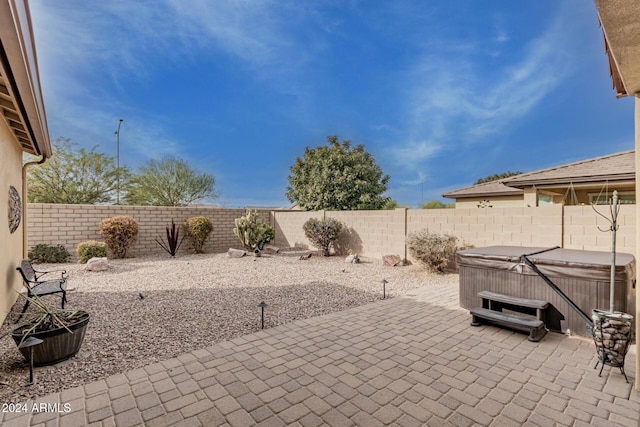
(148, 309)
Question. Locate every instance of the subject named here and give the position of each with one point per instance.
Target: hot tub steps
(491, 311)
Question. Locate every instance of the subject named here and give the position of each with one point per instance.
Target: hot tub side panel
(585, 294)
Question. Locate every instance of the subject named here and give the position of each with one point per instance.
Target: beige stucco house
(23, 129)
(620, 21)
(579, 183)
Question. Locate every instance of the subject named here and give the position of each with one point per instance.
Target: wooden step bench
(493, 304)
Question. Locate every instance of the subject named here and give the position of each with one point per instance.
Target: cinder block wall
(541, 226)
(369, 233)
(69, 225)
(375, 233)
(582, 229)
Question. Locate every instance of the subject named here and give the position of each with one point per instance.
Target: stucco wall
(11, 247)
(69, 225)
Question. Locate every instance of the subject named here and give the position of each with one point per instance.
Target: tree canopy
(436, 204)
(74, 176)
(337, 177)
(496, 176)
(169, 181)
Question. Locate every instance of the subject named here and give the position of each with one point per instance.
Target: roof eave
(572, 180)
(23, 108)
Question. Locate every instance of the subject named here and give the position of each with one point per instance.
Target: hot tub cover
(553, 262)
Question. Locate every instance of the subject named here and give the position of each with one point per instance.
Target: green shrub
(252, 231)
(434, 251)
(119, 233)
(43, 253)
(90, 249)
(197, 229)
(322, 233)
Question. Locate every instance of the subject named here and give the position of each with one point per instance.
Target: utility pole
(118, 162)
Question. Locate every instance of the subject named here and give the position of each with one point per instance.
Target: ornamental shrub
(43, 253)
(90, 249)
(322, 233)
(197, 229)
(434, 251)
(252, 231)
(119, 233)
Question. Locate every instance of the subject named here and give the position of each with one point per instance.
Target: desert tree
(74, 176)
(337, 176)
(169, 181)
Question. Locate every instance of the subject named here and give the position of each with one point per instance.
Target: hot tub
(584, 276)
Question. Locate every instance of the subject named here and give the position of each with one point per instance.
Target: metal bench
(493, 304)
(36, 286)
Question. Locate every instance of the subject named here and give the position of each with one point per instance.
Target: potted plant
(61, 331)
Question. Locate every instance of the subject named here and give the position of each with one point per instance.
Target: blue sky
(440, 93)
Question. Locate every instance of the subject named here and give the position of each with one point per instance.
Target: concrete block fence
(69, 225)
(369, 233)
(376, 233)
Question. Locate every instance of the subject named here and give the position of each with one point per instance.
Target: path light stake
(30, 343)
(262, 305)
(384, 292)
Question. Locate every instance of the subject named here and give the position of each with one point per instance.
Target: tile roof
(612, 167)
(491, 188)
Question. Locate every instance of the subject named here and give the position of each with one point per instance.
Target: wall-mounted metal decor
(15, 209)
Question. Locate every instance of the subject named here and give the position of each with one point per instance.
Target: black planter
(58, 344)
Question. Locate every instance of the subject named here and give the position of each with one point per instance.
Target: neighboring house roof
(619, 21)
(612, 167)
(21, 103)
(491, 188)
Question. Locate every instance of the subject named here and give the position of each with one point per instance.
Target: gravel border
(148, 309)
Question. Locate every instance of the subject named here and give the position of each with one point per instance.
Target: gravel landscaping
(148, 309)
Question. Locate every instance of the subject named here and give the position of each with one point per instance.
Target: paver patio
(409, 361)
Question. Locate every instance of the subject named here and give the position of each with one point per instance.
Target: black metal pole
(557, 290)
(118, 162)
(262, 305)
(31, 365)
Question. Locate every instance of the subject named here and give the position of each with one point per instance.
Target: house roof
(612, 167)
(21, 103)
(491, 188)
(620, 28)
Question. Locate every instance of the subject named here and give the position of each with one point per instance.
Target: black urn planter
(58, 344)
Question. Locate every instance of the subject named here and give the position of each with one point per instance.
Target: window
(624, 198)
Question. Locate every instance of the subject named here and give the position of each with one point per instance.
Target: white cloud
(415, 152)
(453, 102)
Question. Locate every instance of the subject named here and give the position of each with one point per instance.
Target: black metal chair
(38, 287)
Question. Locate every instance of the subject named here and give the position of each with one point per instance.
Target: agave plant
(173, 241)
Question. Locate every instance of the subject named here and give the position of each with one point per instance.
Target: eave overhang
(21, 102)
(620, 24)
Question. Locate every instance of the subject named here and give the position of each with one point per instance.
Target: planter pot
(612, 334)
(58, 344)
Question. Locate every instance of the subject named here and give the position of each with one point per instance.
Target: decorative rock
(97, 264)
(270, 250)
(352, 259)
(391, 260)
(236, 253)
